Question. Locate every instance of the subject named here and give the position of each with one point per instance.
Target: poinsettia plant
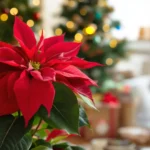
(40, 83)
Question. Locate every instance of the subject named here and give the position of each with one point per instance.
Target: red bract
(27, 71)
(58, 133)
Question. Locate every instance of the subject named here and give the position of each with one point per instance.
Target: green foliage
(40, 142)
(77, 148)
(25, 143)
(25, 10)
(83, 120)
(86, 100)
(12, 134)
(41, 148)
(65, 111)
(66, 146)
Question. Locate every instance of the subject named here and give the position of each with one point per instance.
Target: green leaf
(77, 148)
(12, 133)
(57, 139)
(41, 133)
(65, 111)
(86, 100)
(66, 146)
(61, 145)
(83, 120)
(41, 142)
(25, 143)
(41, 148)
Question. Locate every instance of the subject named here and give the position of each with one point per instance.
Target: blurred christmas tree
(28, 10)
(88, 21)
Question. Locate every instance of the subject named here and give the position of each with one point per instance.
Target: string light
(70, 24)
(30, 23)
(13, 11)
(72, 3)
(109, 61)
(4, 17)
(97, 39)
(36, 2)
(90, 29)
(58, 31)
(103, 3)
(113, 43)
(83, 11)
(81, 0)
(106, 27)
(78, 37)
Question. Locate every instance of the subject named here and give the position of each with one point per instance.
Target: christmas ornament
(109, 61)
(58, 31)
(106, 27)
(70, 25)
(30, 23)
(98, 15)
(78, 37)
(113, 43)
(13, 11)
(3, 17)
(36, 16)
(72, 3)
(97, 39)
(5, 10)
(85, 47)
(90, 29)
(118, 27)
(36, 2)
(84, 11)
(76, 18)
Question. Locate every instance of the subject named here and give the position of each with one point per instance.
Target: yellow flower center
(35, 65)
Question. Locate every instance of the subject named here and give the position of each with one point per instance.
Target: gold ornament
(4, 17)
(36, 2)
(106, 27)
(91, 29)
(58, 31)
(70, 24)
(103, 3)
(72, 3)
(13, 11)
(109, 61)
(83, 11)
(30, 23)
(78, 37)
(113, 43)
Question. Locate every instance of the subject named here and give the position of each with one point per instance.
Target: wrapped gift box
(104, 122)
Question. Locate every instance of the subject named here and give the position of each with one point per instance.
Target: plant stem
(37, 127)
(19, 114)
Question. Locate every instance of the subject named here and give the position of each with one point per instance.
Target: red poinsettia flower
(27, 71)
